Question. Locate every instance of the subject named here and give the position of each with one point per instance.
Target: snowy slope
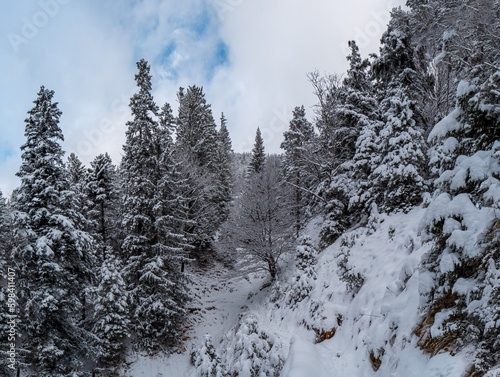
(370, 331)
(360, 317)
(219, 296)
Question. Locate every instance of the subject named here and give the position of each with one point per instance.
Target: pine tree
(76, 171)
(196, 129)
(111, 321)
(223, 174)
(366, 159)
(305, 261)
(207, 361)
(54, 253)
(255, 352)
(297, 147)
(355, 109)
(398, 167)
(154, 245)
(258, 156)
(480, 115)
(362, 108)
(103, 194)
(196, 141)
(395, 63)
(398, 178)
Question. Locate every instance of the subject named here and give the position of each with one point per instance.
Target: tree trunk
(297, 202)
(272, 269)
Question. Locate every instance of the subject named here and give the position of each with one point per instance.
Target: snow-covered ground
(364, 331)
(219, 297)
(373, 327)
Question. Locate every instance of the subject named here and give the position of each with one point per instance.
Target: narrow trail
(219, 296)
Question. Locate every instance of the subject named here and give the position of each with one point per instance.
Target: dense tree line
(415, 124)
(99, 252)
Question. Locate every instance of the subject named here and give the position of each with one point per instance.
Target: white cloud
(86, 52)
(273, 44)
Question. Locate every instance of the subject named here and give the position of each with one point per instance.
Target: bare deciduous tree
(259, 229)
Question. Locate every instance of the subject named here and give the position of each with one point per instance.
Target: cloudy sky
(251, 57)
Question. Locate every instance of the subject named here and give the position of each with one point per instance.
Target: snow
(476, 168)
(304, 361)
(464, 88)
(220, 296)
(161, 366)
(380, 318)
(376, 322)
(447, 125)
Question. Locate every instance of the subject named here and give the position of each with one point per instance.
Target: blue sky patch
(5, 152)
(221, 53)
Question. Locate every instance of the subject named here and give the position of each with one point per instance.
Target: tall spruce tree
(75, 171)
(354, 109)
(223, 174)
(53, 254)
(103, 201)
(196, 129)
(154, 245)
(111, 316)
(401, 161)
(396, 58)
(363, 108)
(297, 146)
(398, 177)
(258, 156)
(196, 147)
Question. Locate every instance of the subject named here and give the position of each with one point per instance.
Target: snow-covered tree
(76, 175)
(102, 198)
(305, 263)
(111, 315)
(258, 155)
(206, 360)
(463, 220)
(76, 171)
(223, 174)
(53, 252)
(398, 178)
(395, 61)
(259, 229)
(352, 110)
(254, 352)
(196, 149)
(196, 129)
(154, 245)
(296, 166)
